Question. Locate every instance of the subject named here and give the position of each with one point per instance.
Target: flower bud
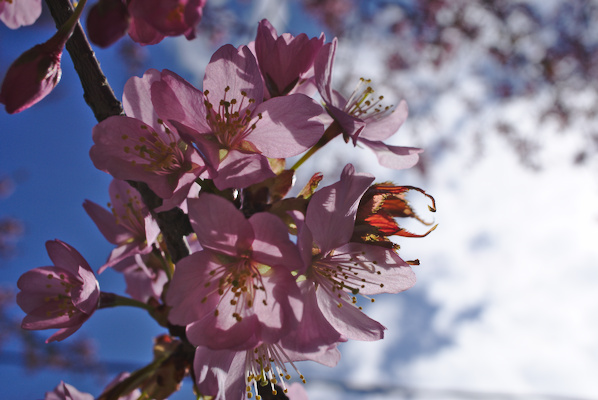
(33, 75)
(107, 21)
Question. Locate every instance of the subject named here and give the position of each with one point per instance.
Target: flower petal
(289, 126)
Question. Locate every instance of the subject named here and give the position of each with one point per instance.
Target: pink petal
(20, 13)
(137, 101)
(187, 289)
(290, 125)
(272, 245)
(237, 70)
(176, 99)
(323, 70)
(106, 223)
(239, 170)
(347, 319)
(331, 212)
(66, 257)
(395, 157)
(220, 373)
(219, 225)
(383, 128)
(378, 270)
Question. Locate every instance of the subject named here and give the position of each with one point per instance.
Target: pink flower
(146, 21)
(129, 225)
(286, 61)
(33, 75)
(235, 375)
(142, 147)
(63, 296)
(337, 270)
(235, 131)
(17, 13)
(362, 117)
(64, 391)
(166, 18)
(238, 292)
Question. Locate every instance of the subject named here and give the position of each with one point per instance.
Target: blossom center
(237, 282)
(364, 105)
(346, 272)
(231, 119)
(62, 304)
(161, 154)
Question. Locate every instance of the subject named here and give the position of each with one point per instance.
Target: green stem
(331, 132)
(113, 300)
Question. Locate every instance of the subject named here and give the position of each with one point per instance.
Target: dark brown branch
(96, 91)
(99, 96)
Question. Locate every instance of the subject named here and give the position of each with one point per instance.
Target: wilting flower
(378, 208)
(338, 269)
(129, 225)
(286, 61)
(238, 292)
(17, 13)
(233, 128)
(62, 296)
(33, 75)
(64, 391)
(142, 147)
(362, 117)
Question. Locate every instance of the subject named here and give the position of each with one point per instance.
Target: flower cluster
(267, 279)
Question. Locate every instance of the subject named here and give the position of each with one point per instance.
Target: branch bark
(100, 97)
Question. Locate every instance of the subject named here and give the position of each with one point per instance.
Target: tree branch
(99, 96)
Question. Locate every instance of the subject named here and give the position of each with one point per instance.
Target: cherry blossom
(142, 147)
(362, 116)
(128, 224)
(238, 292)
(233, 128)
(62, 296)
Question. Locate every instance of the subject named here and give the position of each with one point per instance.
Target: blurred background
(503, 98)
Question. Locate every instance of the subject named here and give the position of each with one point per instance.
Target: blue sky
(505, 297)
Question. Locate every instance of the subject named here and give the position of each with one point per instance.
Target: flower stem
(331, 132)
(113, 300)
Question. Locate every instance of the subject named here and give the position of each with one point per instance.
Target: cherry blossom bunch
(246, 278)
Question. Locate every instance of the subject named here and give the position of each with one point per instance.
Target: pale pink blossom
(238, 292)
(362, 117)
(337, 269)
(142, 147)
(128, 224)
(62, 296)
(230, 124)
